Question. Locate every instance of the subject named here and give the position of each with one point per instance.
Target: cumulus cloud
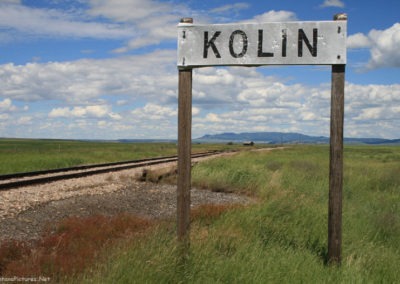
(25, 120)
(7, 108)
(333, 3)
(136, 96)
(373, 102)
(383, 45)
(11, 1)
(154, 21)
(261, 103)
(94, 111)
(77, 82)
(128, 10)
(252, 102)
(48, 22)
(154, 112)
(152, 31)
(6, 105)
(274, 16)
(195, 111)
(212, 117)
(231, 7)
(358, 40)
(274, 94)
(93, 96)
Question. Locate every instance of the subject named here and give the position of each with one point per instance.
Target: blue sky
(106, 69)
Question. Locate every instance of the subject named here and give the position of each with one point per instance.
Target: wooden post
(184, 150)
(336, 161)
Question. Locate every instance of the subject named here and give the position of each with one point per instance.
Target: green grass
(23, 155)
(284, 237)
(281, 238)
(20, 155)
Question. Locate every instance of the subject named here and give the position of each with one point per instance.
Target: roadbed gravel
(26, 212)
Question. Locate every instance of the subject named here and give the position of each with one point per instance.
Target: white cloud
(383, 44)
(265, 103)
(230, 7)
(77, 82)
(385, 47)
(255, 103)
(373, 103)
(221, 76)
(128, 10)
(11, 2)
(152, 31)
(372, 110)
(94, 111)
(274, 94)
(24, 120)
(55, 23)
(154, 21)
(122, 102)
(4, 116)
(195, 111)
(153, 111)
(274, 16)
(212, 117)
(358, 40)
(91, 96)
(5, 105)
(333, 3)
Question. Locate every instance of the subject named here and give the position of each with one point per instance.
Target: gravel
(27, 211)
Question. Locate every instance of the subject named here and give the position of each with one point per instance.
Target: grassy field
(280, 238)
(284, 237)
(23, 155)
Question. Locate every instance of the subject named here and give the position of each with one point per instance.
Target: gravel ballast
(25, 212)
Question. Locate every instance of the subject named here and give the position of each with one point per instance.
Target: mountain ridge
(287, 138)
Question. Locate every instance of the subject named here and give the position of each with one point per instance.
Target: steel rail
(76, 168)
(85, 171)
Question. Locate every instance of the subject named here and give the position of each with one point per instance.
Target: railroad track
(10, 181)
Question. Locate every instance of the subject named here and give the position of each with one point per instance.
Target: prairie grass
(69, 247)
(23, 155)
(282, 238)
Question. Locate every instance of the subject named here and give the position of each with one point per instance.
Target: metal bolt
(340, 17)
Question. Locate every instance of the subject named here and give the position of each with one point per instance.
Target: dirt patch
(155, 201)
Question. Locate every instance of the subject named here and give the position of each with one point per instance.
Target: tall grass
(68, 247)
(281, 238)
(284, 237)
(22, 155)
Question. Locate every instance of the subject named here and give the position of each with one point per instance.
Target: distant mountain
(146, 140)
(286, 137)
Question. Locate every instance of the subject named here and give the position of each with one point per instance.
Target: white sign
(290, 43)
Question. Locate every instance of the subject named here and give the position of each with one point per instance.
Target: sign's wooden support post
(299, 43)
(336, 161)
(184, 151)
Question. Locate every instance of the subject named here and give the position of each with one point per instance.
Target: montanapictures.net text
(24, 279)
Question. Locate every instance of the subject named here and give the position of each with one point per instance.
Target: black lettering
(260, 46)
(245, 44)
(284, 42)
(302, 37)
(210, 43)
